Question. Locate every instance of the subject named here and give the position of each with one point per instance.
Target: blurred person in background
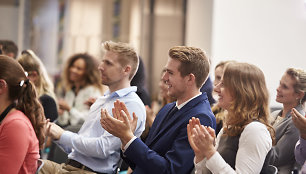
(9, 48)
(81, 81)
(38, 75)
(139, 80)
(218, 111)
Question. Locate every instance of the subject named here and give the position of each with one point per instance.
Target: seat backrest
(272, 169)
(40, 164)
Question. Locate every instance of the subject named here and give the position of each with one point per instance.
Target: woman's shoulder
(17, 118)
(255, 125)
(256, 133)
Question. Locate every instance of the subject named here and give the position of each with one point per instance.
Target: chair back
(272, 169)
(40, 164)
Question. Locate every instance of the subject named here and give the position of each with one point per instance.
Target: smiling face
(225, 98)
(77, 71)
(112, 73)
(285, 91)
(175, 82)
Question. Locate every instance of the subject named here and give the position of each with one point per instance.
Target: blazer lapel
(177, 118)
(158, 122)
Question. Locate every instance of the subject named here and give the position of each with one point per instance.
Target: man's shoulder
(199, 103)
(133, 102)
(132, 97)
(126, 91)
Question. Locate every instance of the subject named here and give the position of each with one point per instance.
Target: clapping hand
(299, 121)
(201, 139)
(121, 124)
(54, 131)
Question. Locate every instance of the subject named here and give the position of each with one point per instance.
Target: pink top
(19, 149)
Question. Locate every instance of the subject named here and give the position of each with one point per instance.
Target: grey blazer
(286, 136)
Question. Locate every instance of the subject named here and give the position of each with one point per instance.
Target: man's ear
(127, 69)
(191, 77)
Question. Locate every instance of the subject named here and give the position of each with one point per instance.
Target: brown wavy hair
(246, 84)
(92, 74)
(26, 96)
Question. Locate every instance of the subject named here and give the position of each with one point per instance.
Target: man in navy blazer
(166, 149)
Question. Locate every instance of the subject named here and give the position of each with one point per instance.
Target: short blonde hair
(193, 60)
(126, 54)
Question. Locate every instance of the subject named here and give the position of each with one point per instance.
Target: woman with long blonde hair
(37, 73)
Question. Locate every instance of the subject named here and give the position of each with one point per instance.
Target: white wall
(268, 33)
(199, 24)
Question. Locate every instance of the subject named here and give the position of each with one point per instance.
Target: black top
(208, 88)
(139, 80)
(50, 108)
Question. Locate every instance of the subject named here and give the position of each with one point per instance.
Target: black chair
(272, 169)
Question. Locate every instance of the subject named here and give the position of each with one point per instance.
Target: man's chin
(171, 95)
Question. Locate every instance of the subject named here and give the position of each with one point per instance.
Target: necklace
(7, 110)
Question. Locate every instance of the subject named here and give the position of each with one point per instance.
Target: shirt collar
(183, 104)
(121, 92)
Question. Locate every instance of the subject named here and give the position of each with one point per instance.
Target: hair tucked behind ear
(24, 93)
(29, 104)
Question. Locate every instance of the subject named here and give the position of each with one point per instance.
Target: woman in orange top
(21, 120)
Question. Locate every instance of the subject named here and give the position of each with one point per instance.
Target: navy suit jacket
(167, 149)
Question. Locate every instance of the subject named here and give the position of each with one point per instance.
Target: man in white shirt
(92, 149)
